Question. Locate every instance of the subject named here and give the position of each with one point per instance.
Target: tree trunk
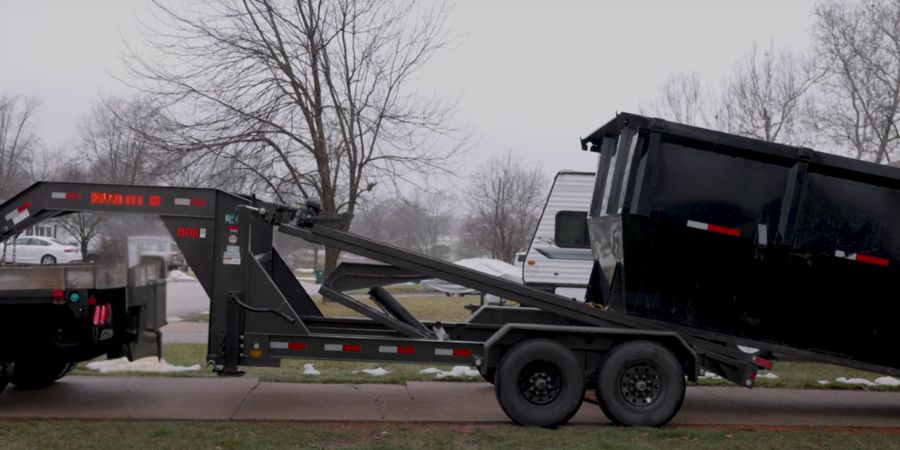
(331, 259)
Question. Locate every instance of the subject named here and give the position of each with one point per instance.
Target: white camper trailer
(559, 257)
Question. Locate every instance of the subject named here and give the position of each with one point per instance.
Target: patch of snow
(823, 382)
(458, 372)
(376, 372)
(887, 381)
(177, 275)
(861, 381)
(171, 319)
(308, 369)
(148, 364)
(768, 375)
(707, 375)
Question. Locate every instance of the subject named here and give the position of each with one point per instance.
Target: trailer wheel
(37, 374)
(641, 383)
(540, 382)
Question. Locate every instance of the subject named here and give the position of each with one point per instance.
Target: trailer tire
(38, 374)
(641, 383)
(540, 383)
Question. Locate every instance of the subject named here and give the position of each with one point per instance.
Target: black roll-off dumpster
(748, 241)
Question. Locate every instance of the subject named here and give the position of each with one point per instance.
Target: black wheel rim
(640, 384)
(540, 383)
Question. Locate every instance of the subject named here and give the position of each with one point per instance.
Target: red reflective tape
(198, 202)
(763, 362)
(724, 230)
(462, 352)
(97, 315)
(104, 313)
(354, 348)
(872, 260)
(406, 350)
(23, 206)
(58, 293)
(296, 345)
(73, 196)
(92, 301)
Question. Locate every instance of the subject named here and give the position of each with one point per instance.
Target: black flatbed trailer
(55, 316)
(540, 356)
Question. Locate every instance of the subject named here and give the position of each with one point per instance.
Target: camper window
(571, 229)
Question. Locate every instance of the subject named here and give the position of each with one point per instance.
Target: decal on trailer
(232, 255)
(116, 199)
(191, 232)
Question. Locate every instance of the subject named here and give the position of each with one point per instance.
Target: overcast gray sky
(532, 76)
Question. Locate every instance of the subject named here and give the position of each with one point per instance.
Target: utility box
(745, 239)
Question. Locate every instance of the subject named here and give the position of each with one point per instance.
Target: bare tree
(417, 223)
(859, 46)
(506, 197)
(682, 98)
(17, 143)
(308, 98)
(766, 94)
(114, 139)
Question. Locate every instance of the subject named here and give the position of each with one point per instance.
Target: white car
(41, 250)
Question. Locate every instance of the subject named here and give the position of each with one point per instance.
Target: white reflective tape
(443, 352)
(697, 225)
(11, 214)
(203, 233)
(763, 238)
(387, 349)
(279, 345)
(20, 217)
(182, 202)
(843, 254)
(58, 195)
(334, 347)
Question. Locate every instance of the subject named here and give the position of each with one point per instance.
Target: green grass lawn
(268, 435)
(452, 309)
(790, 374)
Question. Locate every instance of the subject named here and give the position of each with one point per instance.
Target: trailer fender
(589, 343)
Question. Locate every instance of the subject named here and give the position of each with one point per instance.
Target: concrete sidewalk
(89, 397)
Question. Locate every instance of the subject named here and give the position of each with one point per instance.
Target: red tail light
(68, 250)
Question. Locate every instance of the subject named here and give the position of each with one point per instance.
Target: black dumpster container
(747, 241)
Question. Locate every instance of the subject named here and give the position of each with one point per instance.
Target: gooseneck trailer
(540, 356)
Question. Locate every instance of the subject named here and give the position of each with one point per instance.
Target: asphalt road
(95, 397)
(184, 298)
